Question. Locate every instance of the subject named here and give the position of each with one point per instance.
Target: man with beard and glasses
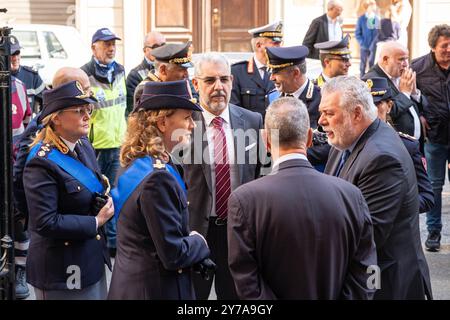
(224, 158)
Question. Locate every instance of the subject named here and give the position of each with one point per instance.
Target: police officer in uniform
(66, 196)
(172, 62)
(30, 77)
(382, 97)
(251, 79)
(288, 66)
(152, 41)
(335, 59)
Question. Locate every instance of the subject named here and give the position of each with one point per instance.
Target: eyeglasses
(81, 111)
(212, 80)
(156, 45)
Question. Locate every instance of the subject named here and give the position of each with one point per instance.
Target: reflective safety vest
(108, 123)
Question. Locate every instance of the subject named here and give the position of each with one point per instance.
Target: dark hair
(436, 32)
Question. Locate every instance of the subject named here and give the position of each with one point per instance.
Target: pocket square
(250, 146)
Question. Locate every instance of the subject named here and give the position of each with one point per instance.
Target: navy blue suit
(426, 195)
(154, 250)
(250, 91)
(61, 223)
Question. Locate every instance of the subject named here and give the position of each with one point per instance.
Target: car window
(54, 47)
(29, 42)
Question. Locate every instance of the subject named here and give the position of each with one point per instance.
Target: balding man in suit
(297, 233)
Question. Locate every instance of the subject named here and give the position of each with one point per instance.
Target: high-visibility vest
(108, 124)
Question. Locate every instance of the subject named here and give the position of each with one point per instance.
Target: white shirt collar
(331, 21)
(287, 157)
(300, 90)
(325, 77)
(208, 116)
(390, 77)
(69, 144)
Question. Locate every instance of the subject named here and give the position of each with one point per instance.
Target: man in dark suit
(172, 61)
(251, 80)
(394, 66)
(368, 153)
(324, 28)
(223, 156)
(152, 41)
(323, 220)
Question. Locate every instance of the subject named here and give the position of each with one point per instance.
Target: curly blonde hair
(143, 136)
(48, 135)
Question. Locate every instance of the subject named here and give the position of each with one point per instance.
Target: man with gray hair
(323, 220)
(369, 153)
(327, 27)
(224, 149)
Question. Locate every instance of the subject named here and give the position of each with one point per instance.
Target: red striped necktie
(222, 168)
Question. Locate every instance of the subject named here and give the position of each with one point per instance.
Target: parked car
(313, 70)
(47, 48)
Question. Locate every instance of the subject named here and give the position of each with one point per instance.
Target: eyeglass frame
(78, 109)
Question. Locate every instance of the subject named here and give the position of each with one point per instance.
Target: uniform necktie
(344, 158)
(222, 169)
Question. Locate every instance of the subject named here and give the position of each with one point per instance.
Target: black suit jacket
(382, 169)
(317, 32)
(299, 234)
(402, 119)
(197, 172)
(249, 90)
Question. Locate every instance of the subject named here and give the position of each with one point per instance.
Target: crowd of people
(252, 176)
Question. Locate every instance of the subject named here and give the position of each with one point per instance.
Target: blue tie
(344, 158)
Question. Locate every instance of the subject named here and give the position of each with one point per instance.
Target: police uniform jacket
(426, 195)
(154, 250)
(135, 77)
(299, 234)
(62, 225)
(249, 90)
(382, 169)
(33, 82)
(151, 76)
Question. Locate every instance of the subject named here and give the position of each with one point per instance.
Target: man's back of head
(67, 74)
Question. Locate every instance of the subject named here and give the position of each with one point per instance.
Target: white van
(47, 48)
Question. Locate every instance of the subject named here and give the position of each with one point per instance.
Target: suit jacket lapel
(384, 75)
(237, 122)
(325, 25)
(198, 153)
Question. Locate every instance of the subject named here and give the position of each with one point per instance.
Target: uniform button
(248, 91)
(79, 188)
(188, 203)
(66, 243)
(180, 271)
(98, 237)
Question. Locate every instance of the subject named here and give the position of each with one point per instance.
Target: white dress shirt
(229, 136)
(334, 30)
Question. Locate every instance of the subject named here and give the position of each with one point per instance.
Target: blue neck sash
(73, 167)
(133, 176)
